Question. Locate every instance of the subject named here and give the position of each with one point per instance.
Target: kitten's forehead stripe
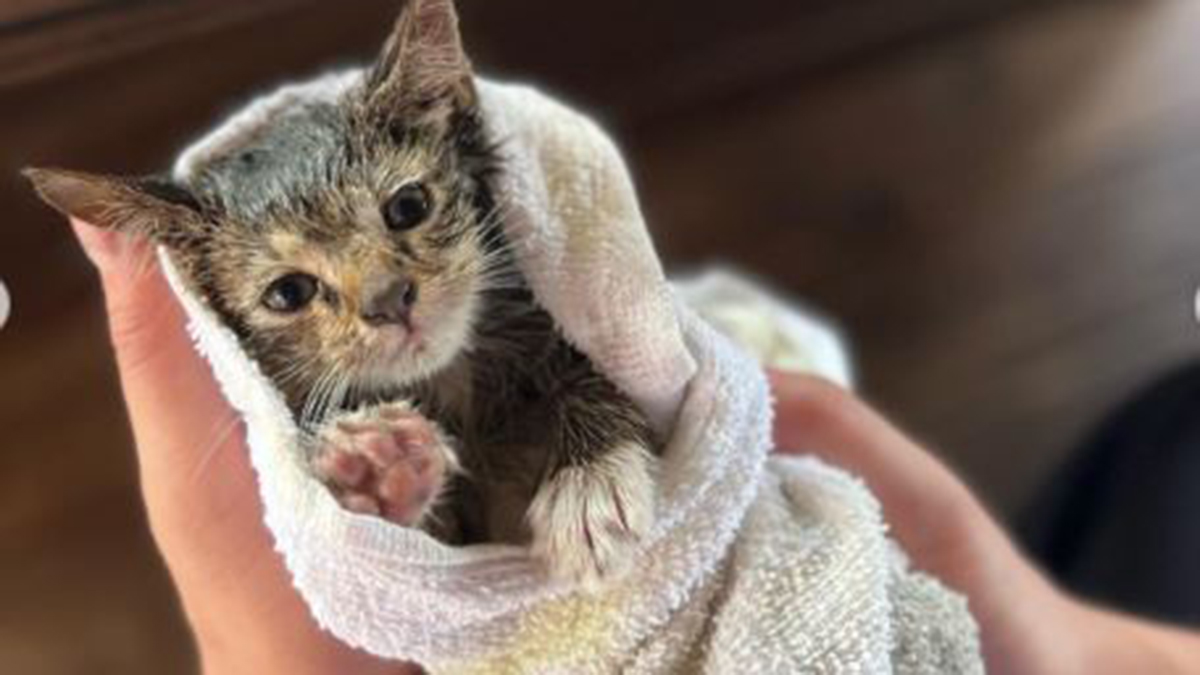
(298, 155)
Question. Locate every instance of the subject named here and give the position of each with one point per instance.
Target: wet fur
(541, 435)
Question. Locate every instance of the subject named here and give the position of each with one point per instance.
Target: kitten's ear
(153, 207)
(423, 68)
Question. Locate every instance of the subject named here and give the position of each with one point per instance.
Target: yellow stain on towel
(573, 630)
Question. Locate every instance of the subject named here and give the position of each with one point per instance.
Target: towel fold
(754, 564)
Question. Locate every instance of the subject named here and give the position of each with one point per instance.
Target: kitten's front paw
(386, 460)
(588, 520)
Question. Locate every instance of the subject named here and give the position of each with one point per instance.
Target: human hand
(1027, 626)
(199, 488)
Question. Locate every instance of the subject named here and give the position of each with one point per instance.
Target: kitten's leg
(597, 502)
(385, 460)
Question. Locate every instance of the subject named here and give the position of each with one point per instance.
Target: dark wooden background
(998, 200)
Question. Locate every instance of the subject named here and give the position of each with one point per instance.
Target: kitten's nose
(390, 303)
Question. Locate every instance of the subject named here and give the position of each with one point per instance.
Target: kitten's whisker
(314, 403)
(295, 369)
(329, 399)
(144, 263)
(222, 432)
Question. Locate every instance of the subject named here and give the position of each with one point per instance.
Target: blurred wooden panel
(92, 35)
(634, 60)
(22, 13)
(1005, 221)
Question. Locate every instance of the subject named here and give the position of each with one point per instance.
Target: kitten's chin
(429, 345)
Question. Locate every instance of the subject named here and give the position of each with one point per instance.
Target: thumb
(145, 321)
(182, 425)
(922, 500)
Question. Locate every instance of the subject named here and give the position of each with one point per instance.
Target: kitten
(357, 251)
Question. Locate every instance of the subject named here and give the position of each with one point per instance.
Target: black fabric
(1120, 523)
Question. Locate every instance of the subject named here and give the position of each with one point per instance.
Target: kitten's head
(346, 243)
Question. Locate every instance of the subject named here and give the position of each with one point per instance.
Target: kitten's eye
(290, 293)
(407, 208)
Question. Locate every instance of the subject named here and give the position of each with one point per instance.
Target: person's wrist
(249, 620)
(1116, 644)
(245, 650)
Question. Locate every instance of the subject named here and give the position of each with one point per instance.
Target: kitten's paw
(588, 521)
(387, 460)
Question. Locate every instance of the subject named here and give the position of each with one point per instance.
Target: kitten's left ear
(153, 207)
(423, 68)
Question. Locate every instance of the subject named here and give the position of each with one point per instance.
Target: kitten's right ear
(423, 67)
(151, 207)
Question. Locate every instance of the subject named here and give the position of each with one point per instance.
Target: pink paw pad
(387, 461)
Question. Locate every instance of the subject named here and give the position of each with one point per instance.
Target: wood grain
(1003, 221)
(22, 13)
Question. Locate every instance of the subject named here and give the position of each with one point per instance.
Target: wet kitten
(356, 250)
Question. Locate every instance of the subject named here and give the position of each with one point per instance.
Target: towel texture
(754, 564)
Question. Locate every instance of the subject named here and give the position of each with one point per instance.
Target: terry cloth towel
(753, 565)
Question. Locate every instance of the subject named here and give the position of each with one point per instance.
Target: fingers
(928, 510)
(817, 416)
(937, 521)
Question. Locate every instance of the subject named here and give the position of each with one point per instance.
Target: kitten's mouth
(424, 343)
(396, 341)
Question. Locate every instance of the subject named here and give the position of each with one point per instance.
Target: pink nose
(390, 302)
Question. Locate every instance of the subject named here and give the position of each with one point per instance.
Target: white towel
(754, 565)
